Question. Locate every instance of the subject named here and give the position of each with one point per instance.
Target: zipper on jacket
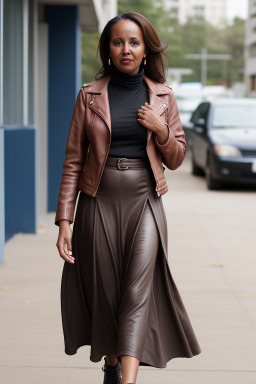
(98, 181)
(158, 194)
(97, 184)
(87, 153)
(88, 150)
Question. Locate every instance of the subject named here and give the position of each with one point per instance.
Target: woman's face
(127, 46)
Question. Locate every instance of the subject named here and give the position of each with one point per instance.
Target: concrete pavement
(212, 259)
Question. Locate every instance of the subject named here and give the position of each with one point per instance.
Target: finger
(69, 254)
(69, 245)
(69, 260)
(144, 111)
(63, 251)
(65, 256)
(142, 122)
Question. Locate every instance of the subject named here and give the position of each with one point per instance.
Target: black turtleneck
(126, 95)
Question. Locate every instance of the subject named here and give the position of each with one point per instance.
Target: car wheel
(210, 181)
(195, 170)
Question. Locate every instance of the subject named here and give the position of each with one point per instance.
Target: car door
(200, 136)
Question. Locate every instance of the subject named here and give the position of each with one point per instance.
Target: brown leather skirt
(119, 297)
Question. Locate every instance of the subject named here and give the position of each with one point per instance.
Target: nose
(126, 48)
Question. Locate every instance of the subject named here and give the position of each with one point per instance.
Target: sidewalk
(212, 259)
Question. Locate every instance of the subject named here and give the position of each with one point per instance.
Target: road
(212, 259)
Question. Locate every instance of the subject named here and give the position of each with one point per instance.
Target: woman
(117, 292)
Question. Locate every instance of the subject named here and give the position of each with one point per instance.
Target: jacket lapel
(155, 90)
(99, 101)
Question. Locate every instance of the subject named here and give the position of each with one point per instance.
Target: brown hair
(155, 68)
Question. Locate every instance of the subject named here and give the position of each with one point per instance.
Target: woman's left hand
(150, 119)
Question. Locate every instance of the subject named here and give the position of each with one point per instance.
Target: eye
(135, 42)
(117, 43)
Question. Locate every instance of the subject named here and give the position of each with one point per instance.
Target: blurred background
(48, 49)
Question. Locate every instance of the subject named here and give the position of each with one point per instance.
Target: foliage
(91, 62)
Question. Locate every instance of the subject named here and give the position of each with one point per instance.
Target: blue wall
(2, 226)
(20, 180)
(64, 82)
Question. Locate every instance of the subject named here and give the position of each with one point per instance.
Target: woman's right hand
(64, 242)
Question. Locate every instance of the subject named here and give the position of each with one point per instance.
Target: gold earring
(145, 61)
(109, 62)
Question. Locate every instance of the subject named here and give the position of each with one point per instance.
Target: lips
(125, 61)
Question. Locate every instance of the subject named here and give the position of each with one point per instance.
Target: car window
(232, 116)
(204, 111)
(195, 114)
(200, 112)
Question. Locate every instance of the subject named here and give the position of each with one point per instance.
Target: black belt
(123, 163)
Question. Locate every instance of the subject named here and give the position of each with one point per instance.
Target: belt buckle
(118, 164)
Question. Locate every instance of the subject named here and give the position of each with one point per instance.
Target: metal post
(204, 56)
(204, 66)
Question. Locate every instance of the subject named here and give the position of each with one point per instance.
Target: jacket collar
(101, 85)
(99, 92)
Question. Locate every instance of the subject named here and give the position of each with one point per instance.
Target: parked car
(190, 95)
(223, 133)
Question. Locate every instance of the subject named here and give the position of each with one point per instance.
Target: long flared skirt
(119, 296)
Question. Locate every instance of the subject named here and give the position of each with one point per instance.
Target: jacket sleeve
(174, 150)
(73, 162)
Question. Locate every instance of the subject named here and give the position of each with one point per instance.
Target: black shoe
(112, 375)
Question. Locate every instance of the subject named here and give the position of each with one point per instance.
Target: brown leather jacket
(89, 141)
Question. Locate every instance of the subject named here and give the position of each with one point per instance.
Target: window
(234, 116)
(200, 113)
(252, 50)
(13, 62)
(253, 83)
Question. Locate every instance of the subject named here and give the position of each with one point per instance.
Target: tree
(91, 62)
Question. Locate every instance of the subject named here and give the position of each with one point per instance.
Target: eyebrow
(132, 38)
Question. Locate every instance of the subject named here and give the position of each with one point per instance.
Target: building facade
(213, 11)
(250, 50)
(40, 76)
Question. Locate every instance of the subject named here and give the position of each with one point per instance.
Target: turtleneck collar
(126, 81)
